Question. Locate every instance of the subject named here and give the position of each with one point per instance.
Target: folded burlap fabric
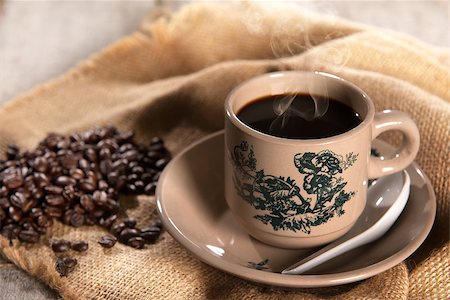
(171, 78)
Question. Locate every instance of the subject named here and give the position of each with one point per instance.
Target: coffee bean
(161, 163)
(44, 221)
(76, 173)
(53, 189)
(107, 241)
(116, 229)
(130, 222)
(77, 220)
(91, 155)
(55, 200)
(156, 141)
(83, 164)
(87, 202)
(100, 197)
(13, 180)
(29, 235)
(12, 152)
(150, 234)
(86, 186)
(136, 242)
(108, 222)
(40, 164)
(150, 188)
(127, 234)
(54, 212)
(18, 200)
(65, 265)
(15, 213)
(64, 180)
(60, 246)
(80, 246)
(139, 185)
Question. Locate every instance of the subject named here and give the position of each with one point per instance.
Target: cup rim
(232, 116)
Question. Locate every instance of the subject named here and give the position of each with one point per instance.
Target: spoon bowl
(386, 199)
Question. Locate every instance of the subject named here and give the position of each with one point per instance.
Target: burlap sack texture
(171, 78)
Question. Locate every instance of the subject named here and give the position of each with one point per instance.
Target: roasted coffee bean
(69, 161)
(4, 202)
(65, 265)
(53, 189)
(29, 204)
(55, 200)
(150, 234)
(107, 241)
(44, 221)
(15, 213)
(100, 197)
(29, 235)
(161, 163)
(12, 152)
(18, 200)
(10, 231)
(69, 192)
(156, 176)
(87, 202)
(91, 155)
(138, 170)
(84, 164)
(146, 177)
(130, 222)
(54, 212)
(108, 222)
(102, 185)
(2, 215)
(13, 180)
(86, 186)
(136, 242)
(80, 246)
(77, 220)
(64, 180)
(150, 188)
(132, 178)
(157, 223)
(76, 173)
(127, 234)
(40, 164)
(116, 229)
(156, 141)
(60, 246)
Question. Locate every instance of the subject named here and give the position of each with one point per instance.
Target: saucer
(191, 203)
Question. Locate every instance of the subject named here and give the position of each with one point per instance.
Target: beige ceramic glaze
(191, 203)
(303, 193)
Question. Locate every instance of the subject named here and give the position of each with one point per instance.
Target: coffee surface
(293, 116)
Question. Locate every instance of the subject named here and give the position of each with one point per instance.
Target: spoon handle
(326, 253)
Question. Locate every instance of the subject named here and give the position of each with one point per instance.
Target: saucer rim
(284, 280)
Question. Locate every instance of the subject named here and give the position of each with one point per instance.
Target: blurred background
(42, 39)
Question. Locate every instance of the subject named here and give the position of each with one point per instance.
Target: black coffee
(298, 121)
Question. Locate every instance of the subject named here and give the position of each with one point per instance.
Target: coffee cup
(294, 189)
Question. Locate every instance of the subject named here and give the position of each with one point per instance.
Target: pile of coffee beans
(77, 180)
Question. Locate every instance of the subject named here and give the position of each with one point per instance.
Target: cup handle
(394, 120)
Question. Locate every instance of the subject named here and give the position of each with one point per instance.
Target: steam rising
(293, 36)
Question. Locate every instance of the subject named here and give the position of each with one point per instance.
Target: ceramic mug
(295, 193)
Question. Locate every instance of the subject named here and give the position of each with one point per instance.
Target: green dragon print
(281, 201)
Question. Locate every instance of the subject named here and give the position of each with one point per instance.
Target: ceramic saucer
(190, 200)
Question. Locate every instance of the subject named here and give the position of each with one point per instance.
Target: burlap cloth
(171, 78)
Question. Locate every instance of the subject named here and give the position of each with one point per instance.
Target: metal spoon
(386, 199)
